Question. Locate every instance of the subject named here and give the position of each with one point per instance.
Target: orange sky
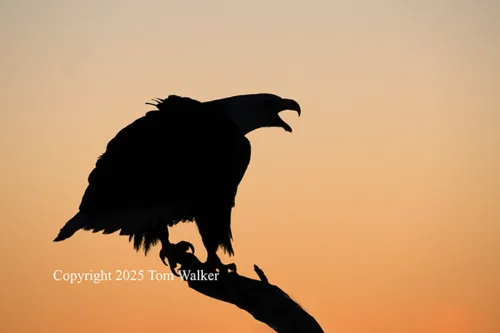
(382, 207)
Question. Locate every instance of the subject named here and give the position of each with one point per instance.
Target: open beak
(291, 105)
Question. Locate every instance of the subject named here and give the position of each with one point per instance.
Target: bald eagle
(182, 162)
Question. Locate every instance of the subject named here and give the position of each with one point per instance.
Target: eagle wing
(181, 153)
(185, 157)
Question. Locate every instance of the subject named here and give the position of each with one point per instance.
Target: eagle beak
(290, 104)
(286, 127)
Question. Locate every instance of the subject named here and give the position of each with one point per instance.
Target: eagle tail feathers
(76, 223)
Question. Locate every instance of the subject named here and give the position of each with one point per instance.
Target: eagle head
(253, 111)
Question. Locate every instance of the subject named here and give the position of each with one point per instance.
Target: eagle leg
(214, 263)
(172, 252)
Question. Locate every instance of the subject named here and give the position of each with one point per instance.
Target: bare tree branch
(264, 301)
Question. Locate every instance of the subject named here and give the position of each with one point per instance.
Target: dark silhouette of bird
(180, 163)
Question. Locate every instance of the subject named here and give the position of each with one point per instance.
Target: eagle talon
(225, 269)
(184, 246)
(172, 269)
(171, 262)
(172, 252)
(215, 264)
(163, 256)
(231, 267)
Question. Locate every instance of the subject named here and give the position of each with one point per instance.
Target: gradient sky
(381, 209)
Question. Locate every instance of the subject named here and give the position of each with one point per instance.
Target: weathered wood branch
(264, 301)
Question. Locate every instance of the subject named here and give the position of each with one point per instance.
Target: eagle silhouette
(180, 163)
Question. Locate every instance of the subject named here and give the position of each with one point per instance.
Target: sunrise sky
(381, 209)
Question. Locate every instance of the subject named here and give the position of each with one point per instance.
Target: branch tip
(261, 274)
